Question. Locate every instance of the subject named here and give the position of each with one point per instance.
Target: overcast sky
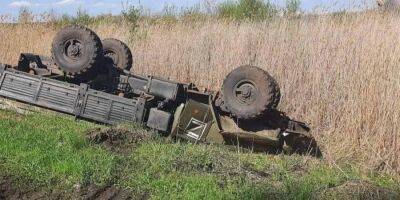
(94, 7)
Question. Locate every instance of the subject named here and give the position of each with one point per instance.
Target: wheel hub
(112, 55)
(246, 92)
(73, 49)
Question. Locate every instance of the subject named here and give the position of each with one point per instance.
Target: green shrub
(292, 7)
(83, 18)
(194, 13)
(254, 10)
(25, 16)
(132, 15)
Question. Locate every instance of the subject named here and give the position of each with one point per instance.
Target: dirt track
(10, 189)
(117, 140)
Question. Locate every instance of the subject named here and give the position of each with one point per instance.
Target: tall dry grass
(340, 73)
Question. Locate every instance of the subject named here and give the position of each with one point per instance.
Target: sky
(95, 7)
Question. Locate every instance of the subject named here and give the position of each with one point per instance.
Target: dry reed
(341, 73)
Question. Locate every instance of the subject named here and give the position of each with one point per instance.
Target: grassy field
(338, 72)
(47, 152)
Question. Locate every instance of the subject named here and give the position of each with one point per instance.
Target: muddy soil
(118, 140)
(11, 190)
(357, 190)
(106, 192)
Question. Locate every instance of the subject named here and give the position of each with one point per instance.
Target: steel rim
(112, 55)
(245, 92)
(73, 49)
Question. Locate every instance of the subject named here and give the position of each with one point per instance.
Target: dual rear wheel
(248, 92)
(78, 51)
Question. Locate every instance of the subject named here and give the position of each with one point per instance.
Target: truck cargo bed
(78, 100)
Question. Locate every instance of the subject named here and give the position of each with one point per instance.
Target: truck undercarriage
(104, 90)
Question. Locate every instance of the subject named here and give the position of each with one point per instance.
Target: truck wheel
(118, 52)
(76, 49)
(249, 92)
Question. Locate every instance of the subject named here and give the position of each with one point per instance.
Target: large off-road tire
(249, 92)
(118, 53)
(76, 49)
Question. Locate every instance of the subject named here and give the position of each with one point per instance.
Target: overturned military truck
(93, 80)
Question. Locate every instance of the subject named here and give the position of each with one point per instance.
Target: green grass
(50, 150)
